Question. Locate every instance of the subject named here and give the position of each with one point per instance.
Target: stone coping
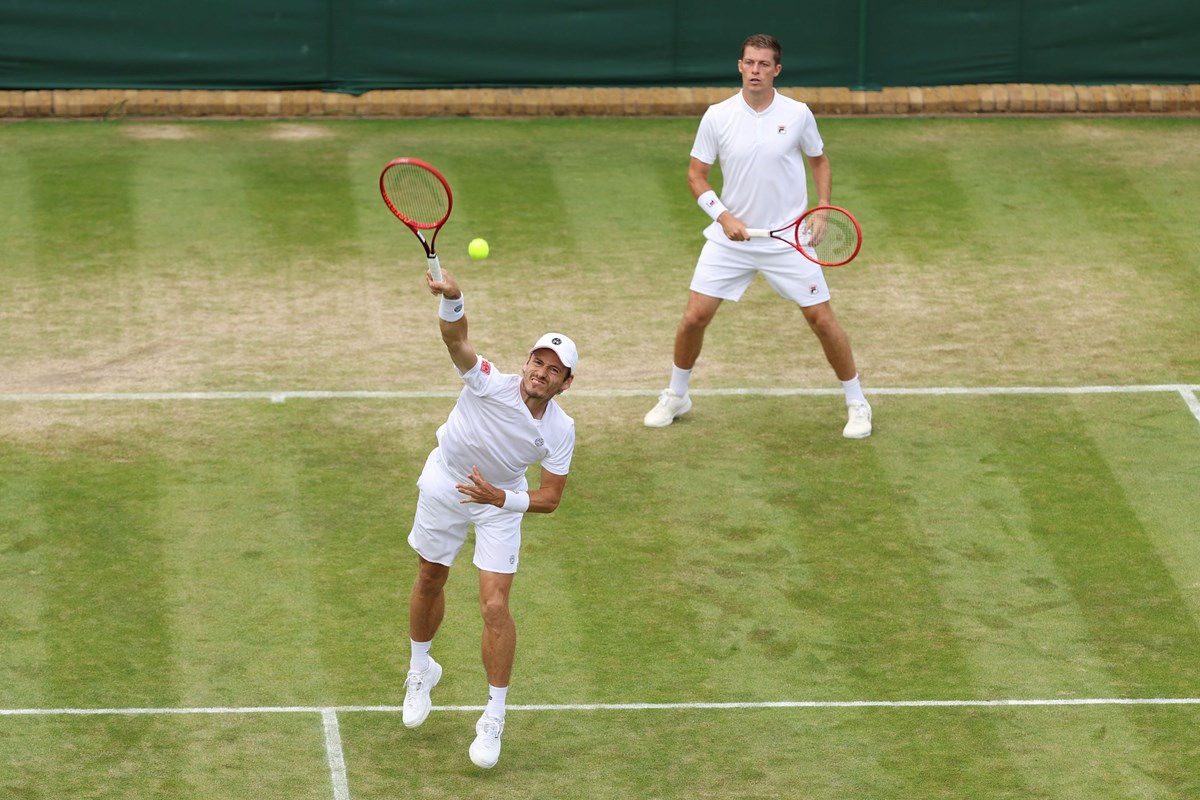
(1009, 98)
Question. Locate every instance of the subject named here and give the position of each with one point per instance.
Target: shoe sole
(856, 435)
(417, 723)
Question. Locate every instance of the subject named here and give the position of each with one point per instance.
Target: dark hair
(764, 41)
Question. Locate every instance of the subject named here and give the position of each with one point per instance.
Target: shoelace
(490, 727)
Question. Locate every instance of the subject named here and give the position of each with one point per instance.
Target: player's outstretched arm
(452, 319)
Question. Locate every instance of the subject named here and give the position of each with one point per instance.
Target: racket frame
(430, 244)
(790, 235)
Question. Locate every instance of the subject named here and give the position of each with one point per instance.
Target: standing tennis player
(500, 426)
(762, 140)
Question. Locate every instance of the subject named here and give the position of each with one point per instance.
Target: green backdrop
(356, 45)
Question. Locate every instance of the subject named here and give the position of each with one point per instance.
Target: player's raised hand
(446, 286)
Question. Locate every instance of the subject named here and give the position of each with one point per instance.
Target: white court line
(1189, 397)
(333, 751)
(329, 712)
(1186, 390)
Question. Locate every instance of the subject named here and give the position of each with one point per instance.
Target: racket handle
(758, 233)
(435, 267)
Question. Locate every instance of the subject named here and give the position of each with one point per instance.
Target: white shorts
(441, 522)
(725, 271)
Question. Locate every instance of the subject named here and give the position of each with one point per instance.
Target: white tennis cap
(560, 344)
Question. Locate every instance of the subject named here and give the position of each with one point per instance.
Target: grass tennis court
(221, 374)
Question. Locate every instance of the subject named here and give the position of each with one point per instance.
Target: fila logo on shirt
(485, 368)
(782, 129)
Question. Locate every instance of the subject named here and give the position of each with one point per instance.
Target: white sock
(853, 391)
(419, 662)
(497, 697)
(679, 380)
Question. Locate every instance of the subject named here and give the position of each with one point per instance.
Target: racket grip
(435, 267)
(758, 233)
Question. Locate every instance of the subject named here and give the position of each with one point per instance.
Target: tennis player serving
(762, 140)
(500, 426)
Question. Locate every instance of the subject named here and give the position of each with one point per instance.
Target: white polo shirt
(490, 427)
(762, 161)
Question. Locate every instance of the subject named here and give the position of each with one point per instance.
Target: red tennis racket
(420, 197)
(828, 235)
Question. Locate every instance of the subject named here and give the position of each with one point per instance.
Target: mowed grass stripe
(1009, 609)
(84, 207)
(299, 195)
(105, 588)
(82, 212)
(192, 214)
(23, 557)
(246, 621)
(1157, 481)
(16, 223)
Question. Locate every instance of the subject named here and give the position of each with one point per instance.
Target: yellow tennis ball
(478, 249)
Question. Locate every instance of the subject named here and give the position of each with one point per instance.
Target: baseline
(1186, 390)
(328, 713)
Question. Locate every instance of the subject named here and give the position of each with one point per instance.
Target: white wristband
(711, 204)
(516, 501)
(451, 310)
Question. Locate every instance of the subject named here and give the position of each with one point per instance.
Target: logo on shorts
(813, 289)
(485, 368)
(512, 560)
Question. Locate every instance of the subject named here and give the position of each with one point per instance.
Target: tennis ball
(478, 249)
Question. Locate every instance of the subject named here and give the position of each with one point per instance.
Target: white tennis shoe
(859, 424)
(670, 406)
(416, 700)
(485, 750)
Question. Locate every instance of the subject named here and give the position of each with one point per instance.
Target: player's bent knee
(431, 577)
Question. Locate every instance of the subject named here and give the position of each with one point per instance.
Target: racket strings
(839, 242)
(416, 194)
